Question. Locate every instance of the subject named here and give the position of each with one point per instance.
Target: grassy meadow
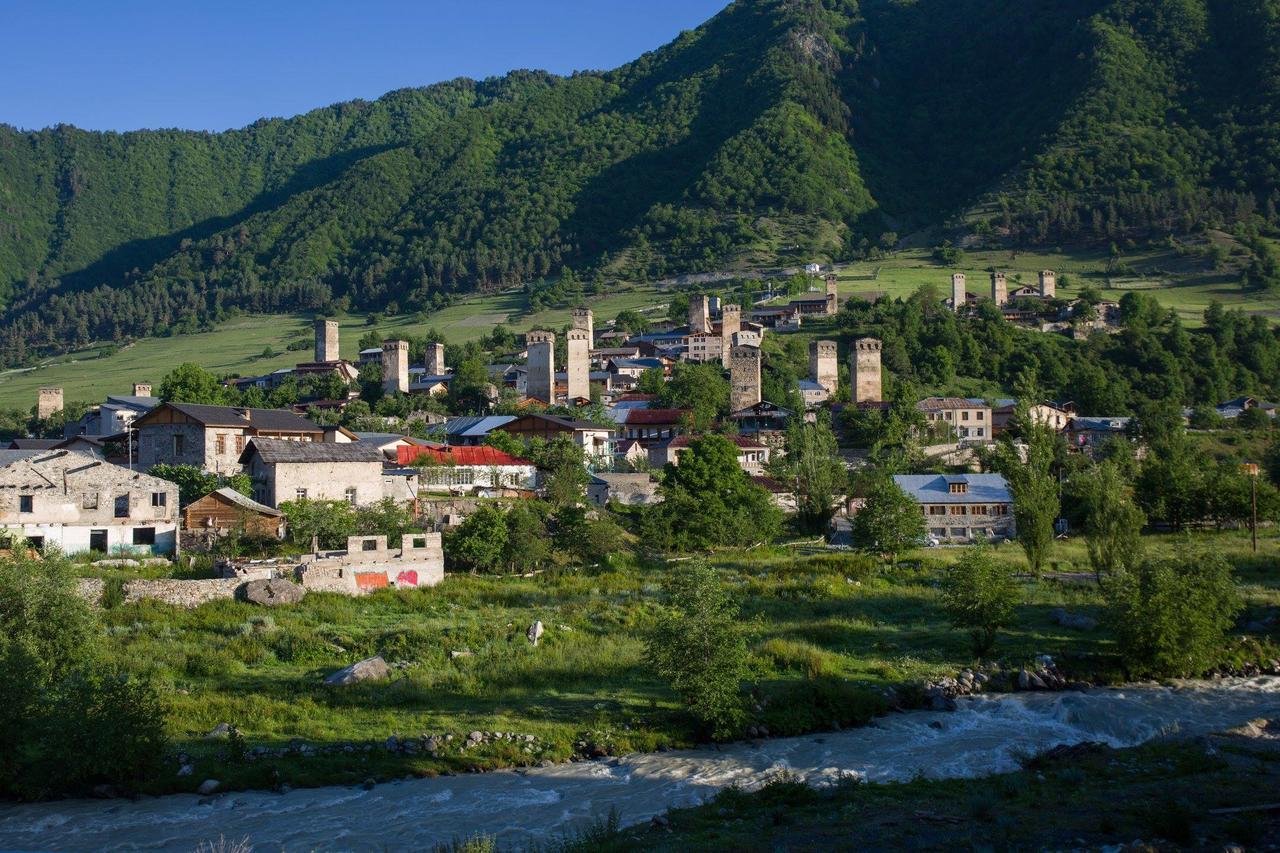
(826, 633)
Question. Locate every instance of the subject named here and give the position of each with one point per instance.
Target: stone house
(625, 489)
(284, 470)
(1088, 433)
(967, 419)
(111, 417)
(651, 426)
(1053, 416)
(962, 507)
(79, 503)
(213, 437)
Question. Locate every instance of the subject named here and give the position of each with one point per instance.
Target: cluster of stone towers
(1048, 288)
(541, 346)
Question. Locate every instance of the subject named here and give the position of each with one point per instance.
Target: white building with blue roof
(962, 507)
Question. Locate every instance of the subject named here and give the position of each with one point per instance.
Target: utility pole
(1250, 470)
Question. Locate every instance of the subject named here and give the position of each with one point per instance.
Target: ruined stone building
(864, 371)
(730, 327)
(79, 503)
(48, 403)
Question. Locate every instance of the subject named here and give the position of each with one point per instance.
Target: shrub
(814, 662)
(804, 706)
(303, 646)
(979, 593)
(697, 646)
(1170, 615)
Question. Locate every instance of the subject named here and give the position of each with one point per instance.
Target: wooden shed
(225, 509)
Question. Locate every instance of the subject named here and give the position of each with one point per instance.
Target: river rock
(535, 632)
(221, 731)
(272, 593)
(120, 563)
(186, 770)
(208, 786)
(369, 669)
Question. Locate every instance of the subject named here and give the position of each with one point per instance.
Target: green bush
(979, 593)
(805, 706)
(1170, 615)
(799, 655)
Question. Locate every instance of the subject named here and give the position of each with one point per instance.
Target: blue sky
(216, 64)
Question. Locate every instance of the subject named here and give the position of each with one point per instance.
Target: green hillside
(779, 129)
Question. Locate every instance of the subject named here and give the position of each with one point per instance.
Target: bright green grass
(823, 630)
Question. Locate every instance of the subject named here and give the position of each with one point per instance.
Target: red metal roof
(481, 455)
(640, 417)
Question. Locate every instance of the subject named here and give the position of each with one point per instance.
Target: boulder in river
(369, 669)
(208, 786)
(273, 592)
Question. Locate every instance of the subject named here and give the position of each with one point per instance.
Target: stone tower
(583, 319)
(578, 356)
(958, 293)
(142, 389)
(833, 295)
(865, 370)
(744, 377)
(327, 340)
(730, 325)
(395, 367)
(999, 288)
(540, 383)
(434, 361)
(824, 365)
(1048, 284)
(699, 314)
(48, 403)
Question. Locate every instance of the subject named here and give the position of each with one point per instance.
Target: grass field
(825, 632)
(1184, 283)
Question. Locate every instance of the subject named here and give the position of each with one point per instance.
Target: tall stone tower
(583, 319)
(744, 377)
(142, 389)
(833, 295)
(541, 380)
(434, 361)
(578, 355)
(999, 288)
(730, 325)
(1048, 284)
(824, 365)
(395, 367)
(699, 314)
(48, 403)
(326, 340)
(864, 367)
(958, 293)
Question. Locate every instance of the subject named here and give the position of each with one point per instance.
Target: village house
(1086, 434)
(390, 443)
(962, 507)
(113, 416)
(225, 511)
(469, 431)
(469, 470)
(967, 419)
(651, 426)
(284, 470)
(623, 489)
(1047, 414)
(763, 417)
(595, 440)
(752, 455)
(78, 503)
(213, 437)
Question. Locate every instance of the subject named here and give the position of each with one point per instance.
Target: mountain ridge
(1092, 123)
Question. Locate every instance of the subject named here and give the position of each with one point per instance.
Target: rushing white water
(986, 735)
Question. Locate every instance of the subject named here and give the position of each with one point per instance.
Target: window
(964, 416)
(221, 444)
(89, 501)
(98, 541)
(982, 416)
(978, 510)
(937, 510)
(959, 509)
(144, 536)
(300, 493)
(959, 533)
(351, 496)
(369, 545)
(179, 445)
(1000, 509)
(958, 488)
(26, 503)
(122, 506)
(239, 444)
(981, 432)
(946, 415)
(938, 532)
(159, 499)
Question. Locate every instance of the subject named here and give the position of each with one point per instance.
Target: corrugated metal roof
(279, 450)
(246, 502)
(936, 488)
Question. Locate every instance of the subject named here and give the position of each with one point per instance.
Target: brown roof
(938, 404)
(274, 420)
(654, 416)
(741, 440)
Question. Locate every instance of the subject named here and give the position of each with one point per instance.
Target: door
(98, 541)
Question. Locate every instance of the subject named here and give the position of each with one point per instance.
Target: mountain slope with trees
(842, 122)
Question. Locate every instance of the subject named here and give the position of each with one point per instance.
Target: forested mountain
(1037, 121)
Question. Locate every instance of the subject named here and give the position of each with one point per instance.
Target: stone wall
(179, 593)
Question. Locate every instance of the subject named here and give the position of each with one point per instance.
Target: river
(520, 808)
